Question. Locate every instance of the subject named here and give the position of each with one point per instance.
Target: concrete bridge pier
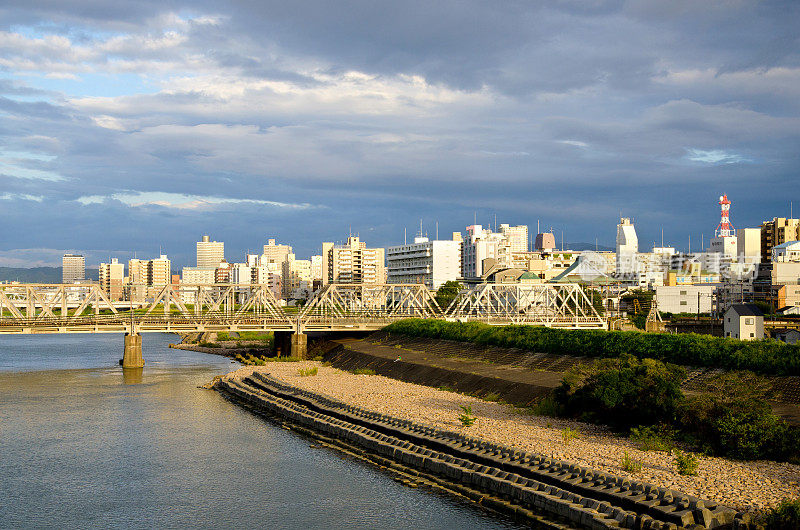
(132, 353)
(289, 343)
(300, 345)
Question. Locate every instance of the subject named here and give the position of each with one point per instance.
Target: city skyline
(149, 124)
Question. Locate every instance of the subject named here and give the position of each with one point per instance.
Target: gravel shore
(750, 485)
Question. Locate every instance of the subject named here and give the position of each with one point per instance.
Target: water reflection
(132, 376)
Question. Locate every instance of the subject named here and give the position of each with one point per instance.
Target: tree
(447, 293)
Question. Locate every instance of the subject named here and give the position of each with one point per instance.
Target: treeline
(764, 356)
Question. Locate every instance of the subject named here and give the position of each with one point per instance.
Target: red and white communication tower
(725, 228)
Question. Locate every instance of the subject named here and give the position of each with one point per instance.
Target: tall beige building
(296, 274)
(73, 267)
(275, 253)
(778, 231)
(152, 272)
(210, 253)
(112, 276)
(516, 236)
(352, 262)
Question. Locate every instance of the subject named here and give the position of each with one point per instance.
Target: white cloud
(715, 156)
(181, 201)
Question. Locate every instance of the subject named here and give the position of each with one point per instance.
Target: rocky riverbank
(751, 486)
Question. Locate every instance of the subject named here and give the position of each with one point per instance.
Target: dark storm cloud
(160, 121)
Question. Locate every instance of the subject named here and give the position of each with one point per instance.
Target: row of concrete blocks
(582, 511)
(661, 503)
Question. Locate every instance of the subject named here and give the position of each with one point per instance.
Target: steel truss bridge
(86, 308)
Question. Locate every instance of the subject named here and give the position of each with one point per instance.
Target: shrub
(466, 418)
(785, 517)
(568, 434)
(629, 464)
(492, 396)
(446, 388)
(305, 372)
(653, 438)
(363, 371)
(766, 356)
(622, 392)
(222, 336)
(685, 463)
(548, 406)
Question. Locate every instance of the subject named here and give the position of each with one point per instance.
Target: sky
(137, 127)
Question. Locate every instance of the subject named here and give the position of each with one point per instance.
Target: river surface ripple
(84, 445)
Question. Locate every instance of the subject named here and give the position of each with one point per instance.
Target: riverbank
(748, 486)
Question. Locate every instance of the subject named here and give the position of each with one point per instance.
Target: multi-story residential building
(516, 236)
(274, 253)
(296, 275)
(429, 262)
(112, 277)
(210, 253)
(147, 277)
(222, 274)
(779, 230)
(481, 245)
(73, 268)
(352, 262)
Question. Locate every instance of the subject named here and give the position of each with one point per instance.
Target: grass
(306, 372)
(568, 434)
(446, 388)
(547, 406)
(629, 464)
(466, 417)
(491, 396)
(685, 463)
(363, 371)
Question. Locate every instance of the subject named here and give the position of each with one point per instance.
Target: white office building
(210, 253)
(627, 247)
(428, 262)
(73, 268)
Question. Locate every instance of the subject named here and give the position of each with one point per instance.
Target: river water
(83, 444)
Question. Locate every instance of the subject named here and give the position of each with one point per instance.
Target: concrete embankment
(510, 479)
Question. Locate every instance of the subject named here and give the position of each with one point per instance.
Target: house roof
(787, 244)
(748, 310)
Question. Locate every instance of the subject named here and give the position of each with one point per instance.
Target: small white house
(743, 321)
(789, 251)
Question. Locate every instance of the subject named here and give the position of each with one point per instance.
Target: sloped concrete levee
(528, 483)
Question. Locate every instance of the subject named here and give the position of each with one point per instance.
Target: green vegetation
(622, 392)
(210, 345)
(654, 437)
(446, 293)
(785, 517)
(629, 464)
(250, 359)
(491, 396)
(685, 463)
(731, 418)
(364, 371)
(767, 356)
(548, 406)
(306, 372)
(445, 388)
(568, 434)
(466, 418)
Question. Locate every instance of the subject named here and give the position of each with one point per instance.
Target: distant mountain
(38, 274)
(588, 246)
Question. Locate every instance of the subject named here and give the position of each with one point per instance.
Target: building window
(683, 293)
(684, 302)
(752, 334)
(748, 321)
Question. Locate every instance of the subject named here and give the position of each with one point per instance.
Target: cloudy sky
(139, 126)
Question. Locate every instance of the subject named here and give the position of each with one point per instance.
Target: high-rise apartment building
(73, 267)
(428, 262)
(210, 253)
(296, 275)
(274, 253)
(112, 276)
(748, 242)
(779, 230)
(152, 272)
(352, 263)
(482, 244)
(516, 236)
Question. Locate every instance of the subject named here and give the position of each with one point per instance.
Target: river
(84, 445)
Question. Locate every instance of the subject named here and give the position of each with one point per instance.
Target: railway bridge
(184, 308)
